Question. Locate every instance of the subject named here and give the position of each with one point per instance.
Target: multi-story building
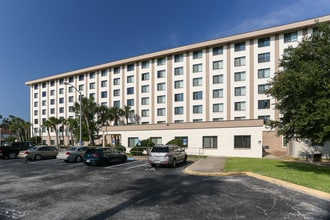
(217, 84)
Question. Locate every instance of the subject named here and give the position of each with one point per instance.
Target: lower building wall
(225, 138)
(273, 142)
(303, 148)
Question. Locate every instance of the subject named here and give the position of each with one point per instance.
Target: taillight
(67, 153)
(26, 152)
(96, 155)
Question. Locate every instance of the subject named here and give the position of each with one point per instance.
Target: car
(11, 151)
(167, 155)
(75, 153)
(103, 156)
(38, 153)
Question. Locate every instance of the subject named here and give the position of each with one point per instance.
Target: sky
(40, 38)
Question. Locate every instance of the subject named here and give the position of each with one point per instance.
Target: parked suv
(12, 151)
(167, 155)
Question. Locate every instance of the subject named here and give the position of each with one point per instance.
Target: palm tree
(47, 125)
(116, 113)
(54, 122)
(127, 111)
(72, 124)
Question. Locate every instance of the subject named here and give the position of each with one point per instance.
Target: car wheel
(12, 155)
(174, 163)
(185, 160)
(38, 157)
(78, 159)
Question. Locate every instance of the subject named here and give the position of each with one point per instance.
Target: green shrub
(176, 141)
(144, 145)
(121, 148)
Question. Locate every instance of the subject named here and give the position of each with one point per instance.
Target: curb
(292, 186)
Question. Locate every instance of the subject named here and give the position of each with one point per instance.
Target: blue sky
(39, 38)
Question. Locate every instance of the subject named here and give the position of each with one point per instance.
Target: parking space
(52, 189)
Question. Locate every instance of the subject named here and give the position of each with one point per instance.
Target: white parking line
(140, 165)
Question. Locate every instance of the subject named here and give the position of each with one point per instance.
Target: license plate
(88, 161)
(157, 161)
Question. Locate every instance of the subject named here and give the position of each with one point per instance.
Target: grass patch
(309, 175)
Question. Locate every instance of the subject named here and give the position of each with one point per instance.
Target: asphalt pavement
(214, 166)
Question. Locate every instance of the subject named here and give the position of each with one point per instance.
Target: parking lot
(52, 189)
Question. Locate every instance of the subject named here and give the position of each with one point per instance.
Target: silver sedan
(75, 153)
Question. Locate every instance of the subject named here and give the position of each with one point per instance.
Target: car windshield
(72, 149)
(160, 149)
(33, 148)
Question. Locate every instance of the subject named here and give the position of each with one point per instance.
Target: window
(145, 76)
(242, 141)
(264, 104)
(263, 73)
(161, 99)
(116, 81)
(178, 84)
(130, 67)
(92, 85)
(145, 64)
(240, 46)
(81, 77)
(104, 83)
(130, 90)
(210, 142)
(104, 73)
(43, 103)
(239, 61)
(92, 75)
(92, 95)
(161, 61)
(52, 101)
(239, 76)
(130, 79)
(71, 99)
(161, 86)
(71, 79)
(217, 93)
(178, 110)
(218, 107)
(178, 71)
(36, 112)
(264, 42)
(160, 111)
(104, 94)
(263, 57)
(161, 74)
(178, 97)
(52, 92)
(197, 109)
(240, 91)
(217, 79)
(217, 65)
(71, 89)
(52, 111)
(197, 54)
(197, 95)
(263, 88)
(145, 113)
(266, 118)
(198, 81)
(132, 141)
(197, 68)
(44, 85)
(116, 92)
(116, 104)
(178, 58)
(35, 95)
(61, 91)
(239, 106)
(130, 102)
(145, 89)
(116, 70)
(217, 50)
(290, 37)
(61, 81)
(145, 101)
(61, 110)
(44, 94)
(81, 88)
(61, 100)
(35, 86)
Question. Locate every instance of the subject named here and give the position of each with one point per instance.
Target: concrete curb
(292, 186)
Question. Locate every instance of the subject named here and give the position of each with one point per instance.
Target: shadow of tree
(171, 189)
(306, 167)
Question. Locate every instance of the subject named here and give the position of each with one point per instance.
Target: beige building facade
(221, 81)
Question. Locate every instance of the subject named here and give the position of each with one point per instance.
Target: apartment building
(217, 84)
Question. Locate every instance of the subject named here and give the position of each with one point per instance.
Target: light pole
(66, 83)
